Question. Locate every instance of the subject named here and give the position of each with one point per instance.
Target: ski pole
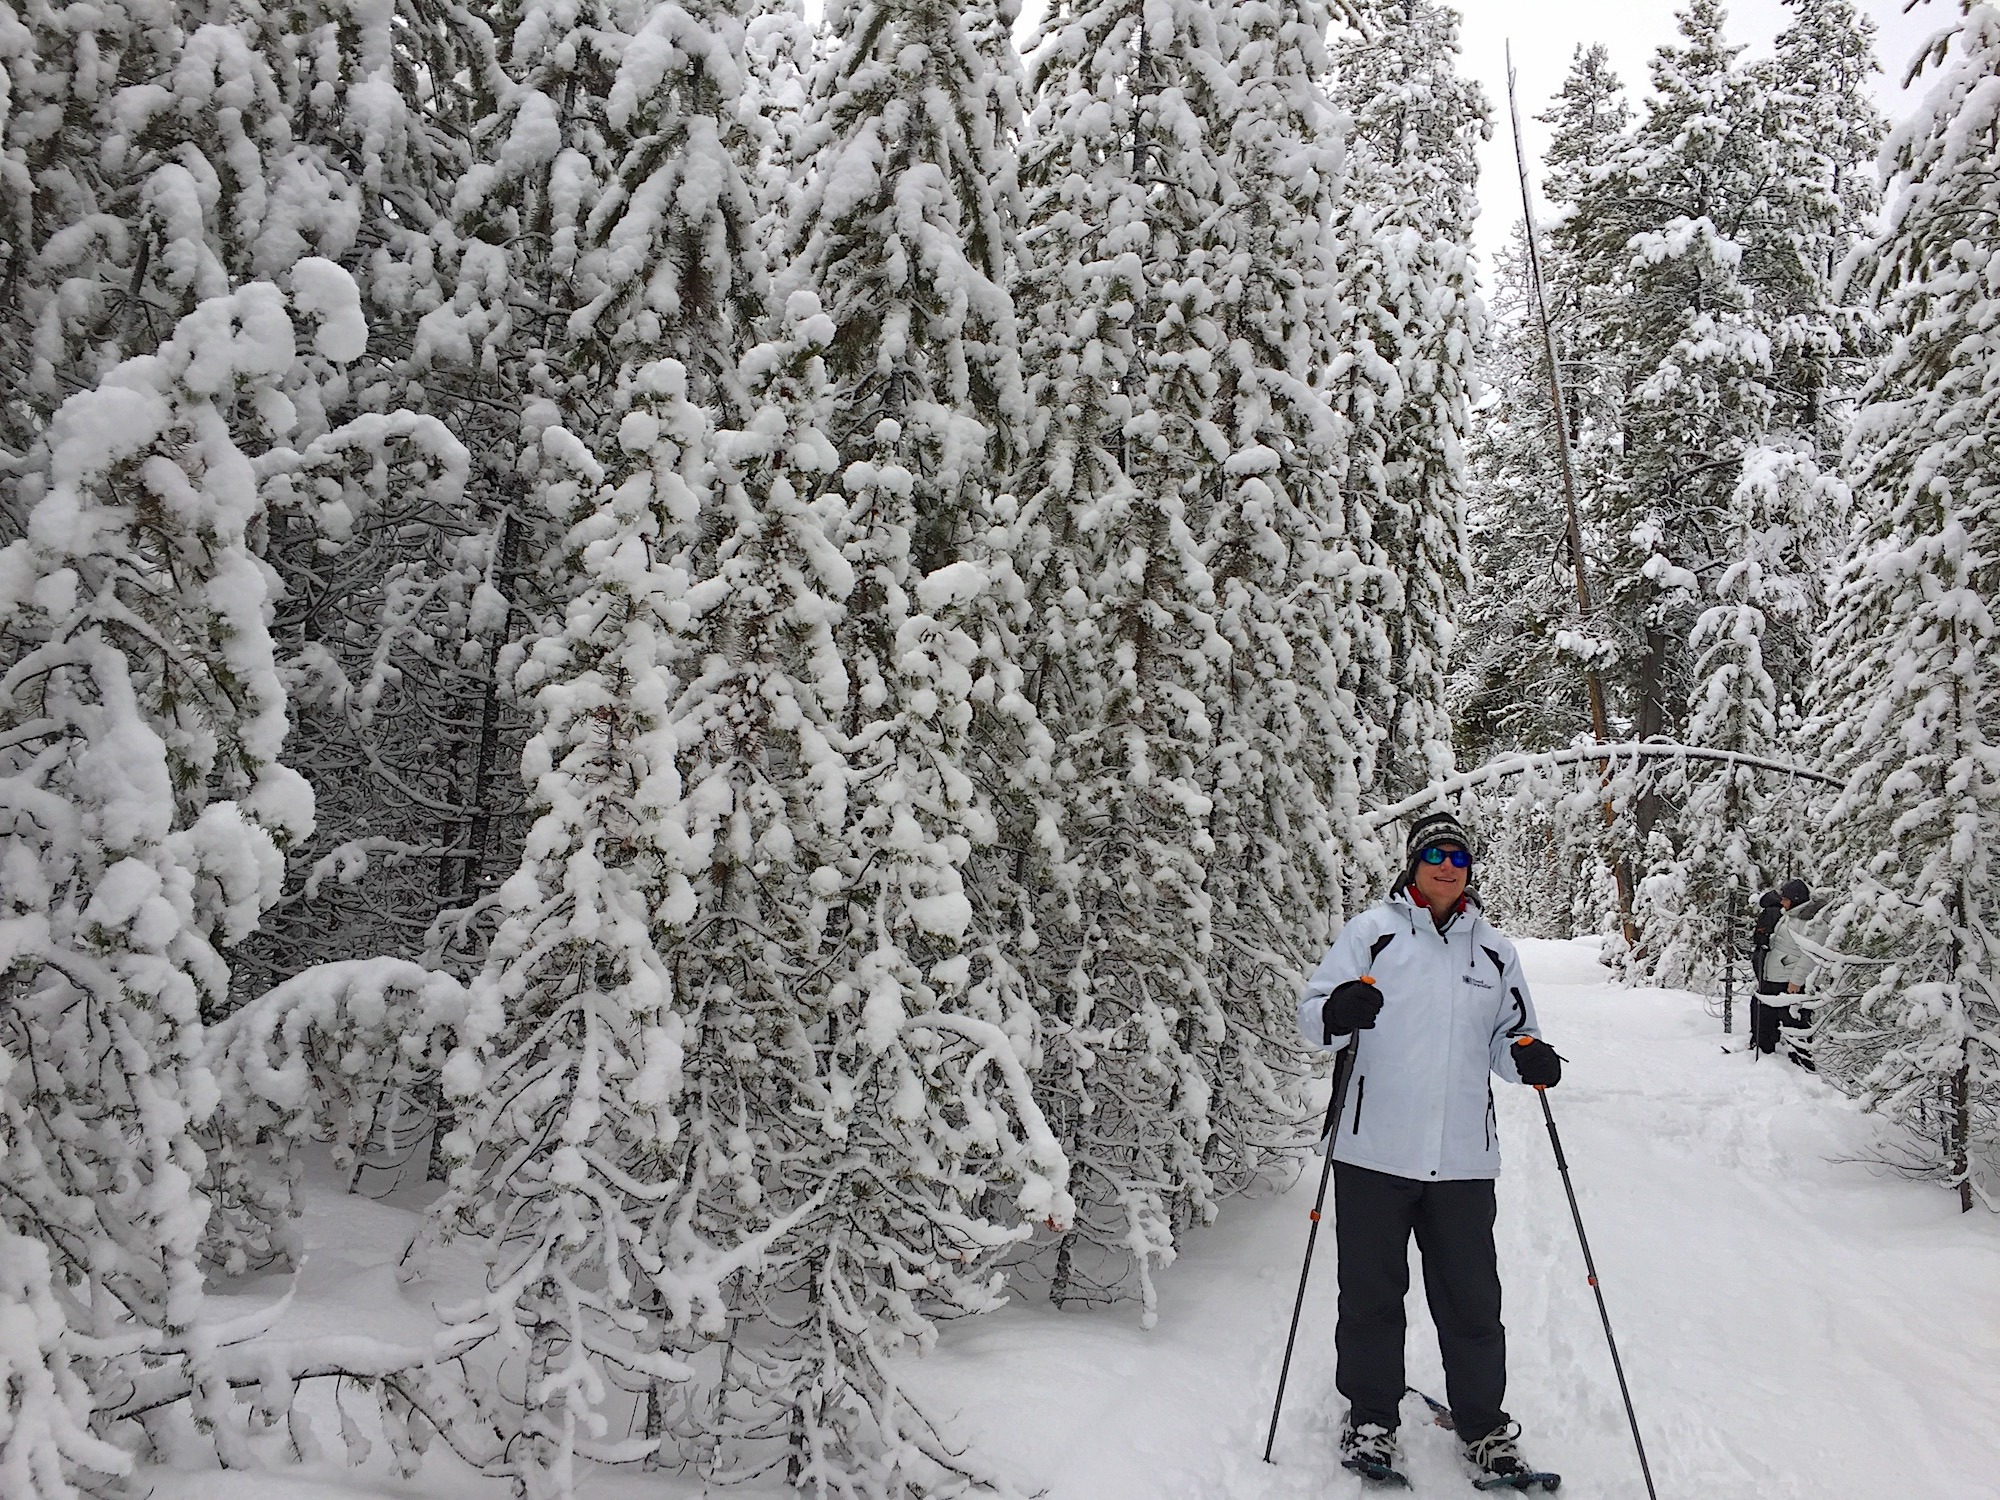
(1340, 1071)
(1590, 1266)
(1298, 1304)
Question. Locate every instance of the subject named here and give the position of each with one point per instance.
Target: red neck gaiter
(1457, 908)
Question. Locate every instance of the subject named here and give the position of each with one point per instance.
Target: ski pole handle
(1540, 1088)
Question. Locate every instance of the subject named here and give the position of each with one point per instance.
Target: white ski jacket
(1418, 1094)
(1788, 962)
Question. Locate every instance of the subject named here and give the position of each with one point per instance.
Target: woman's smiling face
(1442, 884)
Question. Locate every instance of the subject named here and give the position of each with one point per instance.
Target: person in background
(1763, 1015)
(1789, 968)
(1426, 1002)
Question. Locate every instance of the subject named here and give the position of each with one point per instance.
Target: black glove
(1352, 1007)
(1538, 1063)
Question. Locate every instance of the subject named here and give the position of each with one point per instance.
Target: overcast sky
(1545, 34)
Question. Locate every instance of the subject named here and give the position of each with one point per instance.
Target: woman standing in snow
(1425, 1001)
(1788, 968)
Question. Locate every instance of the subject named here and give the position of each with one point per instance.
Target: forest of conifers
(762, 644)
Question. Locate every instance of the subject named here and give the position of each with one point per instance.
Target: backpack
(1768, 913)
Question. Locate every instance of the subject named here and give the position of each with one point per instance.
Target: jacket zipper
(1360, 1090)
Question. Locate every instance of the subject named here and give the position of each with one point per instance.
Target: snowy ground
(1794, 1321)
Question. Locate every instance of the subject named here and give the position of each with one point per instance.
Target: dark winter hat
(1769, 898)
(1433, 829)
(1796, 891)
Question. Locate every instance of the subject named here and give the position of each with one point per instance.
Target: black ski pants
(1767, 1014)
(1374, 1216)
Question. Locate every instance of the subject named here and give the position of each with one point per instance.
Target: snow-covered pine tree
(1715, 227)
(591, 1164)
(1677, 225)
(144, 720)
(1826, 132)
(1123, 173)
(1414, 323)
(1362, 387)
(567, 1087)
(1147, 305)
(1284, 777)
(796, 1081)
(899, 244)
(1756, 554)
(1706, 235)
(1907, 695)
(903, 235)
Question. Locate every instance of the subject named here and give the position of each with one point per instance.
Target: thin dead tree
(1593, 681)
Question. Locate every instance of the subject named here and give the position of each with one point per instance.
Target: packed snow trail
(1796, 1324)
(1794, 1321)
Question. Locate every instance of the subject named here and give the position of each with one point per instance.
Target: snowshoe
(1370, 1451)
(1500, 1464)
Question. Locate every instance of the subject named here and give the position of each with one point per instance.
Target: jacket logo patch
(1476, 982)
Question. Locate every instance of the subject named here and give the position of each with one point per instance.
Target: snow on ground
(1795, 1322)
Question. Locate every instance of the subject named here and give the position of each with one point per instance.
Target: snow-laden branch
(287, 1361)
(348, 1052)
(1828, 955)
(1044, 1192)
(1516, 765)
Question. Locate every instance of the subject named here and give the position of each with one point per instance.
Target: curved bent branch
(1515, 765)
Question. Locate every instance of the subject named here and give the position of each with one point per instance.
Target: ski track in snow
(1795, 1321)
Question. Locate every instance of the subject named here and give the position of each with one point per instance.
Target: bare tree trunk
(1961, 1126)
(480, 831)
(1961, 1078)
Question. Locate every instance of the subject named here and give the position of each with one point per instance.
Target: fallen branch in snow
(277, 1366)
(253, 1363)
(1515, 765)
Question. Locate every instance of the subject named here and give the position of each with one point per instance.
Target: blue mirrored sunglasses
(1435, 855)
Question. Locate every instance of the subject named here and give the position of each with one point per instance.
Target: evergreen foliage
(1907, 691)
(1399, 365)
(752, 643)
(147, 811)
(1202, 600)
(1709, 358)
